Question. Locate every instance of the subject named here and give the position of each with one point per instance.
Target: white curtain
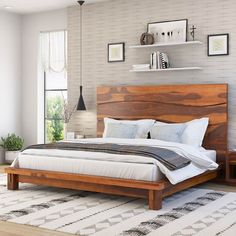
(54, 51)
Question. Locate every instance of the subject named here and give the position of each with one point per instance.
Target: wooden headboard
(169, 103)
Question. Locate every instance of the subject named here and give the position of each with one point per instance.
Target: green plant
(12, 143)
(55, 124)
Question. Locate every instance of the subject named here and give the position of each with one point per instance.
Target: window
(55, 97)
(53, 55)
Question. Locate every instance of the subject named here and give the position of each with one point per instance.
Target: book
(154, 61)
(164, 61)
(159, 60)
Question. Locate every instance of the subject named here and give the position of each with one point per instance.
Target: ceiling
(32, 6)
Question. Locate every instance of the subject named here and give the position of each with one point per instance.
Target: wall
(10, 74)
(32, 81)
(124, 21)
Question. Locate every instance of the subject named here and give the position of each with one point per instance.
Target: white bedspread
(88, 160)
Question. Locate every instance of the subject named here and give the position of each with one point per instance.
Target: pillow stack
(190, 133)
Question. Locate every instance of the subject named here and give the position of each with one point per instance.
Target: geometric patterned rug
(195, 211)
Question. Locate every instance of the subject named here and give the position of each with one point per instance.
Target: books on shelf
(159, 60)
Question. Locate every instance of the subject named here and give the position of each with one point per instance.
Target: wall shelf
(168, 44)
(168, 69)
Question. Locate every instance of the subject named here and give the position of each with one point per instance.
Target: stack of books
(159, 60)
(141, 67)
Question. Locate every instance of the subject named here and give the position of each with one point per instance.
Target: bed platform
(167, 103)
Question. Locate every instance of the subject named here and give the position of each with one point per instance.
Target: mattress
(124, 170)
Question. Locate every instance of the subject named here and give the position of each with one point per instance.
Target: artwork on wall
(218, 44)
(169, 31)
(116, 52)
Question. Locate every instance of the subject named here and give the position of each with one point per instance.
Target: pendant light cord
(81, 42)
(81, 46)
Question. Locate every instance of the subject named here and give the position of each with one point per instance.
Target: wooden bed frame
(168, 103)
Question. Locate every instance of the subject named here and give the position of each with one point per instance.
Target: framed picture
(169, 31)
(218, 44)
(116, 52)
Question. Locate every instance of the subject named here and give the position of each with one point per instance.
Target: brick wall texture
(124, 21)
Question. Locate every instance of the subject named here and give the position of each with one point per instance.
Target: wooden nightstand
(231, 167)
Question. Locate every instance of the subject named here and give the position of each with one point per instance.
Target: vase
(10, 156)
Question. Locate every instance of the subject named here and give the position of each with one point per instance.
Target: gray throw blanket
(169, 159)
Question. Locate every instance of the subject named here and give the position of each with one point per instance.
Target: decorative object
(192, 32)
(86, 213)
(81, 105)
(116, 52)
(67, 114)
(218, 44)
(169, 31)
(70, 135)
(147, 39)
(80, 136)
(12, 145)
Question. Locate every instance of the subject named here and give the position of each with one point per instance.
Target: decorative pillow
(168, 132)
(117, 130)
(193, 133)
(143, 126)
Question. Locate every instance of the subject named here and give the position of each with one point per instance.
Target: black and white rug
(193, 212)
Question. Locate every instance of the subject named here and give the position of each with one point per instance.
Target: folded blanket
(168, 158)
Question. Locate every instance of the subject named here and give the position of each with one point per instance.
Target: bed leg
(155, 199)
(12, 182)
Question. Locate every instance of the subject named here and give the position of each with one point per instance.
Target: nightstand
(231, 167)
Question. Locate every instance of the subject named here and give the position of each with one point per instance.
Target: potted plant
(12, 145)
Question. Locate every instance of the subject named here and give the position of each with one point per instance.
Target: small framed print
(116, 52)
(218, 44)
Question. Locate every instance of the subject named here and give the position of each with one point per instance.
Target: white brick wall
(124, 21)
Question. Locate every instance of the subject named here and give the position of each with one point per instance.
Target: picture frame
(116, 52)
(218, 44)
(169, 31)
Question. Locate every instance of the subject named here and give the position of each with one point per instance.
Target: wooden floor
(11, 229)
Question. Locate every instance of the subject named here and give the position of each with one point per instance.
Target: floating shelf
(167, 44)
(168, 69)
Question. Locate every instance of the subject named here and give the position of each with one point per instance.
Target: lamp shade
(81, 105)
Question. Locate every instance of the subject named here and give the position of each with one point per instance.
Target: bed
(178, 103)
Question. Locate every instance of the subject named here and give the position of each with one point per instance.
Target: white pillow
(194, 132)
(121, 130)
(143, 126)
(168, 132)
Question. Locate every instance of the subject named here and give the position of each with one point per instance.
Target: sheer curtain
(54, 51)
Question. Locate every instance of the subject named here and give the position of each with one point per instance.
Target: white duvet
(199, 161)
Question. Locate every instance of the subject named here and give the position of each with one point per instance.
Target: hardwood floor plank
(11, 229)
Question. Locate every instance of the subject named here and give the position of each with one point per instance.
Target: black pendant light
(81, 105)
